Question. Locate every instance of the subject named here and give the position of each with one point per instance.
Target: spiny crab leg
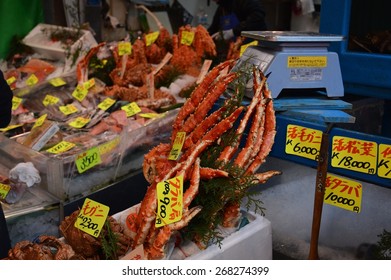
(156, 249)
(204, 126)
(268, 138)
(229, 151)
(198, 94)
(207, 103)
(149, 204)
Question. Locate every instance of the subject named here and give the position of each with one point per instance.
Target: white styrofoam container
(251, 242)
(42, 44)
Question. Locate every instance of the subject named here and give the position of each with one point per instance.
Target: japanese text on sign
(302, 141)
(354, 154)
(307, 61)
(88, 159)
(343, 193)
(92, 217)
(4, 189)
(384, 161)
(177, 146)
(170, 201)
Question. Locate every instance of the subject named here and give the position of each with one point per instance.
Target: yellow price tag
(68, 109)
(131, 109)
(383, 165)
(32, 80)
(106, 104)
(92, 217)
(109, 146)
(57, 82)
(302, 141)
(88, 159)
(10, 127)
(343, 193)
(16, 101)
(4, 189)
(177, 146)
(187, 38)
(40, 120)
(89, 84)
(61, 147)
(79, 122)
(354, 154)
(244, 47)
(50, 100)
(80, 92)
(150, 115)
(124, 48)
(11, 80)
(151, 38)
(170, 201)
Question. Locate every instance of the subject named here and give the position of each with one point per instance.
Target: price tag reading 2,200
(302, 141)
(354, 154)
(92, 217)
(170, 201)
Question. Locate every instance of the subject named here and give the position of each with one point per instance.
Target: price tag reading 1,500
(354, 154)
(92, 217)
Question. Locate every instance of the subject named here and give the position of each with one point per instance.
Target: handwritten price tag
(79, 122)
(68, 109)
(92, 217)
(88, 160)
(40, 120)
(109, 146)
(11, 80)
(57, 82)
(106, 104)
(302, 141)
(131, 109)
(343, 193)
(4, 189)
(151, 38)
(16, 101)
(187, 38)
(384, 166)
(177, 146)
(170, 201)
(61, 147)
(50, 100)
(354, 154)
(32, 80)
(124, 48)
(80, 93)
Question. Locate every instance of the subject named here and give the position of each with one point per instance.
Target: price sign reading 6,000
(302, 141)
(354, 154)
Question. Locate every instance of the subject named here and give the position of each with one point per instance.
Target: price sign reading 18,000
(302, 141)
(354, 154)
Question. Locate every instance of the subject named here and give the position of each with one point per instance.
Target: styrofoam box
(251, 242)
(41, 43)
